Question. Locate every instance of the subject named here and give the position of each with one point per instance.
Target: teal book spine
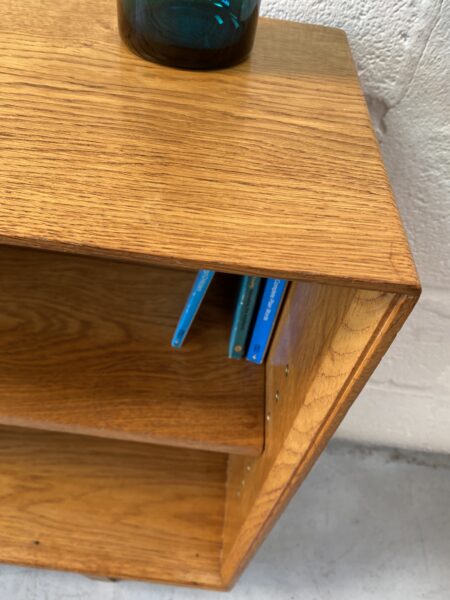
(193, 303)
(243, 316)
(269, 308)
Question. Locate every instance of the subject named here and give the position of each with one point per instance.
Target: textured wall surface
(402, 49)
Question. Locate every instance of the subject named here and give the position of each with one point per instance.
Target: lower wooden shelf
(85, 348)
(109, 508)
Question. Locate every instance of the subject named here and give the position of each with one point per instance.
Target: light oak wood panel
(85, 348)
(104, 153)
(108, 508)
(327, 345)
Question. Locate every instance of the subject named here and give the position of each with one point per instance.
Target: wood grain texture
(115, 509)
(85, 348)
(327, 345)
(104, 153)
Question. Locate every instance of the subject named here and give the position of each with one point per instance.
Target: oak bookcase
(120, 457)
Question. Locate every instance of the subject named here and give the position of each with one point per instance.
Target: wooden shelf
(270, 167)
(66, 504)
(85, 348)
(129, 159)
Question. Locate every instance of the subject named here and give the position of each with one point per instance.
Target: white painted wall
(402, 49)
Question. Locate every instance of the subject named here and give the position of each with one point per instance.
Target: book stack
(258, 305)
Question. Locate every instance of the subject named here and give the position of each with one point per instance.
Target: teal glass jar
(192, 34)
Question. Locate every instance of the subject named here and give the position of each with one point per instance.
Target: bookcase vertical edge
(328, 342)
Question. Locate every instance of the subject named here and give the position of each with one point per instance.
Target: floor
(367, 524)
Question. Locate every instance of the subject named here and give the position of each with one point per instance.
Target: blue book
(269, 308)
(198, 292)
(243, 316)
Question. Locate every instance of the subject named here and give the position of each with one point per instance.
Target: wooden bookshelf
(121, 457)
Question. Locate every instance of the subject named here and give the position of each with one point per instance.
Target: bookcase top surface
(269, 167)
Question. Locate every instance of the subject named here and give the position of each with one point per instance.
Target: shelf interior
(85, 348)
(111, 508)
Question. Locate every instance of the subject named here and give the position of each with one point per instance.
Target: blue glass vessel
(193, 34)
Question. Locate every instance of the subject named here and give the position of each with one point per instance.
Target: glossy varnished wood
(85, 348)
(270, 167)
(104, 153)
(327, 345)
(108, 508)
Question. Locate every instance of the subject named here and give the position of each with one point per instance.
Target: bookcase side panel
(328, 342)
